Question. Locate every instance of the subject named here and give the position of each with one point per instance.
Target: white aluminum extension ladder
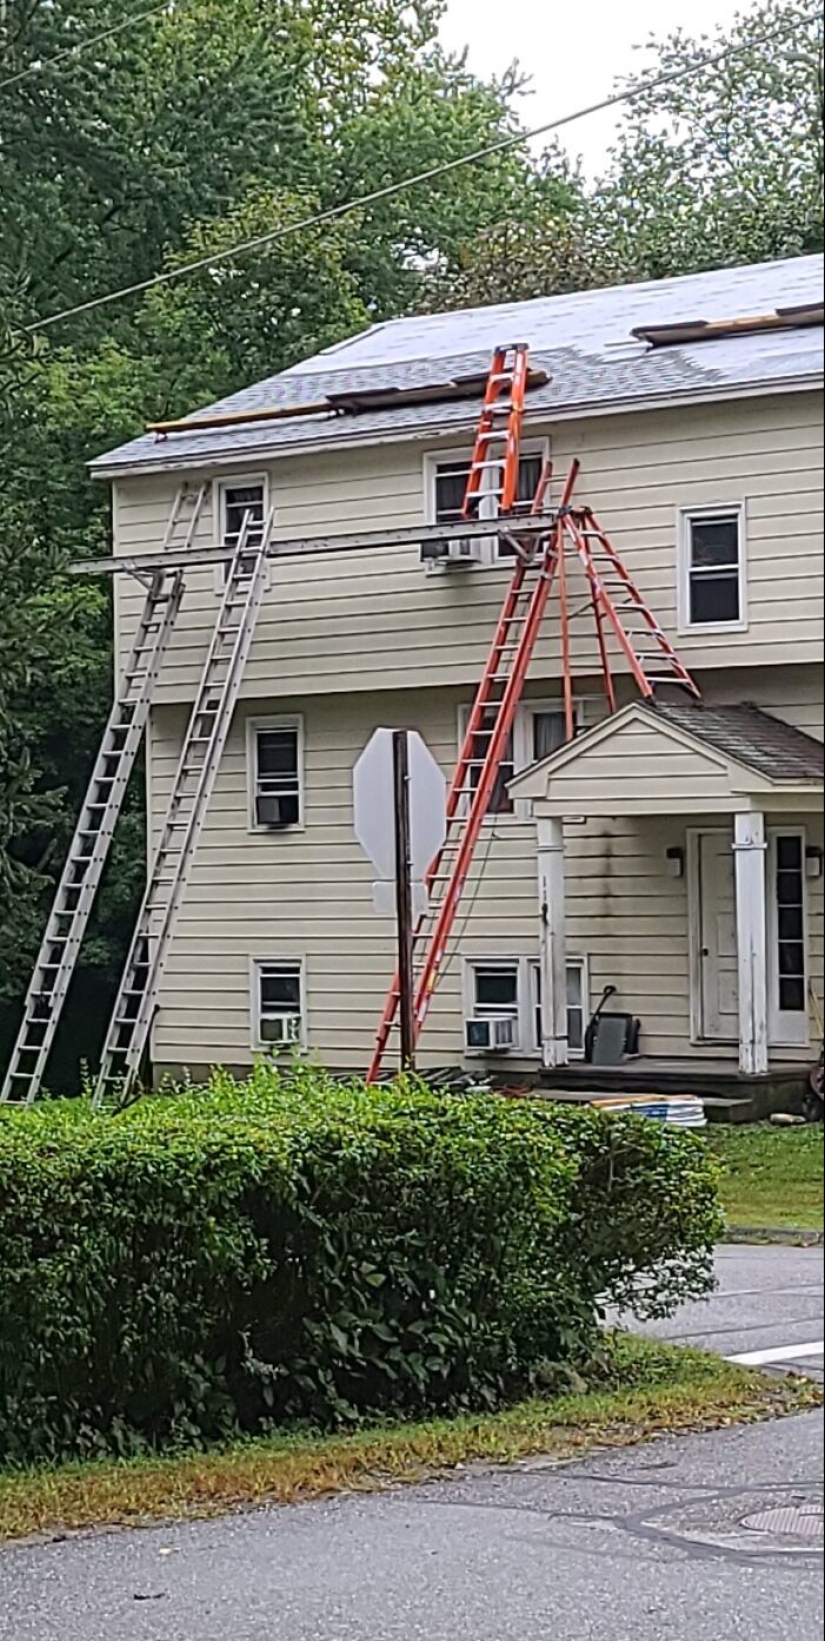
(205, 739)
(80, 880)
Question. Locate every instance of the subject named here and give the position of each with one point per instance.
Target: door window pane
(790, 924)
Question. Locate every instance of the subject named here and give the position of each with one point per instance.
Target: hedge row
(301, 1251)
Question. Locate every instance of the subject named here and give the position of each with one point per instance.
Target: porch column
(752, 941)
(553, 946)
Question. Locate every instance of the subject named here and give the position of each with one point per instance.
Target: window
(510, 990)
(539, 730)
(790, 924)
(578, 1005)
(500, 803)
(712, 571)
(237, 500)
(448, 480)
(548, 732)
(275, 754)
(529, 479)
(494, 1007)
(279, 1005)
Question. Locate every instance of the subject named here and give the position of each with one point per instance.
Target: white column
(752, 941)
(553, 946)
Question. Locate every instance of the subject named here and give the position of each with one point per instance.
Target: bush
(293, 1250)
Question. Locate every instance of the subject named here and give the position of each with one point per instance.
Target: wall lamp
(675, 862)
(813, 861)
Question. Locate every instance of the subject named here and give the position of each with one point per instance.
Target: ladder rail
(149, 935)
(94, 831)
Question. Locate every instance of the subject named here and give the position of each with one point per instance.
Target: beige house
(671, 850)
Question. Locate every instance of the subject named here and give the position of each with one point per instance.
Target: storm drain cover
(748, 1522)
(796, 1520)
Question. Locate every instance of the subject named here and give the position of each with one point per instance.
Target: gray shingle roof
(583, 340)
(776, 750)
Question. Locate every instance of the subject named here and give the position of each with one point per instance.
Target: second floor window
(240, 500)
(712, 568)
(451, 487)
(235, 502)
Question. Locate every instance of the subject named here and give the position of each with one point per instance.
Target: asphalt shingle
(583, 341)
(782, 754)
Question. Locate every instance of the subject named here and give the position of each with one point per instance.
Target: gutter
(436, 429)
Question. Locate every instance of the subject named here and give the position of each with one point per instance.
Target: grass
(773, 1176)
(645, 1390)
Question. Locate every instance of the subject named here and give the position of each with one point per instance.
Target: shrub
(293, 1250)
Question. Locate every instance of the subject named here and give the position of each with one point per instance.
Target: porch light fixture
(675, 862)
(813, 861)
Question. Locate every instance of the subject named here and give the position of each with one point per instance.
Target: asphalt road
(767, 1310)
(701, 1538)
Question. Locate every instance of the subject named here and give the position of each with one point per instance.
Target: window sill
(255, 831)
(700, 629)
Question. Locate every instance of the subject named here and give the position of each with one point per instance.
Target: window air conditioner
(281, 1030)
(457, 552)
(496, 1036)
(275, 813)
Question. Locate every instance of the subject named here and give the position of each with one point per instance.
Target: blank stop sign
(374, 798)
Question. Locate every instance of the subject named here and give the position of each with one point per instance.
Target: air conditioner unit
(275, 813)
(281, 1030)
(495, 1036)
(457, 552)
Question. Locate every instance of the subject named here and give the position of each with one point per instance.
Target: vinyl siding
(307, 894)
(377, 621)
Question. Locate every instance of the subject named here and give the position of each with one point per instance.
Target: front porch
(728, 1094)
(738, 795)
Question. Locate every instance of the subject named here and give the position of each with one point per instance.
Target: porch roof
(678, 758)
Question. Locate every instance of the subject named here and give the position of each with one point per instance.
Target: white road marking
(778, 1353)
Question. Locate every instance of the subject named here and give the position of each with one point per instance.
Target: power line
(335, 212)
(84, 45)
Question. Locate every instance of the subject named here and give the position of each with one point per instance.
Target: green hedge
(299, 1251)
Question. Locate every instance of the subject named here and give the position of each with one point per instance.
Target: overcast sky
(574, 51)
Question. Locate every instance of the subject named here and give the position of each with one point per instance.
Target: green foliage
(292, 1251)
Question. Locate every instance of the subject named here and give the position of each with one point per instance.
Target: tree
(719, 168)
(203, 125)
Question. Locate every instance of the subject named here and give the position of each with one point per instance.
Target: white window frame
(490, 555)
(281, 961)
(786, 1028)
(528, 979)
(573, 960)
(685, 518)
(522, 744)
(254, 728)
(234, 481)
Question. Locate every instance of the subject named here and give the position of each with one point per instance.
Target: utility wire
(335, 212)
(83, 45)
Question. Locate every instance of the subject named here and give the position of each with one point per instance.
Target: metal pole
(403, 879)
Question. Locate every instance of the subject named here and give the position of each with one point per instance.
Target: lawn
(773, 1176)
(641, 1390)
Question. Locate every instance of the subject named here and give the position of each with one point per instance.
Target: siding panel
(378, 620)
(308, 894)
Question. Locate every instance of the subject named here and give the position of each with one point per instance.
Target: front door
(718, 971)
